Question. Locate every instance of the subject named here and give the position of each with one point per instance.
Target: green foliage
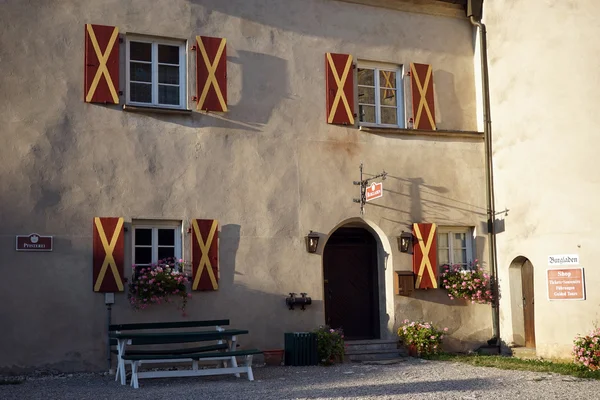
(511, 363)
(426, 338)
(156, 283)
(472, 284)
(330, 345)
(586, 350)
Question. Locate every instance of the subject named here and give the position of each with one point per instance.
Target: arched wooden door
(351, 283)
(528, 303)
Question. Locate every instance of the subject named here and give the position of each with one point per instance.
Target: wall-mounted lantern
(404, 241)
(312, 242)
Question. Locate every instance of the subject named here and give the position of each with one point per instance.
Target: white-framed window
(455, 246)
(156, 72)
(380, 96)
(154, 241)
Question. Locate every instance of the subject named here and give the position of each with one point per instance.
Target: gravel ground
(409, 379)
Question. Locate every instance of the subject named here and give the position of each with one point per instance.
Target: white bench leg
(121, 364)
(232, 347)
(134, 376)
(195, 365)
(249, 367)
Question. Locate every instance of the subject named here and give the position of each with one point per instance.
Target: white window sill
(159, 110)
(420, 132)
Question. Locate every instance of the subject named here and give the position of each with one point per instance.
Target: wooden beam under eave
(430, 7)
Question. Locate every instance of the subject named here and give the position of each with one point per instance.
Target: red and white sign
(34, 242)
(566, 283)
(374, 191)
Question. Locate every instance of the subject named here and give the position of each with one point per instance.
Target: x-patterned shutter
(101, 64)
(211, 73)
(339, 80)
(108, 255)
(423, 107)
(425, 256)
(205, 254)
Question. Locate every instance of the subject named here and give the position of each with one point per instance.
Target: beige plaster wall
(544, 91)
(269, 170)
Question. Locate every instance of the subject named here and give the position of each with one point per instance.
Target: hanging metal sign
(34, 242)
(374, 191)
(369, 191)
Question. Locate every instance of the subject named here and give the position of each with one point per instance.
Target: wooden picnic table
(222, 336)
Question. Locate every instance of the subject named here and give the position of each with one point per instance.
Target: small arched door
(351, 283)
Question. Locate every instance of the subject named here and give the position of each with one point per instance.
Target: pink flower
(445, 329)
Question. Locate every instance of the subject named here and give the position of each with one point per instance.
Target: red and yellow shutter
(101, 64)
(109, 252)
(425, 256)
(339, 79)
(423, 108)
(205, 254)
(211, 73)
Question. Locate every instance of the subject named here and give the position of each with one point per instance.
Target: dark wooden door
(528, 303)
(351, 284)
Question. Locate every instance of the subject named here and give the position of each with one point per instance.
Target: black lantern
(312, 242)
(404, 241)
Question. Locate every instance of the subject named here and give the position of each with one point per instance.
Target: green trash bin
(300, 348)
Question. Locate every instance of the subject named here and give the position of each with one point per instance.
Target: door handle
(325, 281)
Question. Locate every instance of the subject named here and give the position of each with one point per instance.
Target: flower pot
(412, 350)
(273, 357)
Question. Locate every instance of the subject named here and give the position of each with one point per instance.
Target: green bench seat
(137, 359)
(176, 351)
(193, 356)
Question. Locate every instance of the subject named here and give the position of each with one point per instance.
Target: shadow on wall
(264, 86)
(428, 200)
(334, 20)
(446, 99)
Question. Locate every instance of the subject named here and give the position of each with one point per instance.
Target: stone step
(525, 353)
(367, 345)
(383, 355)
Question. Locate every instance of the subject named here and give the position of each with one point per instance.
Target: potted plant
(421, 338)
(158, 283)
(472, 284)
(330, 345)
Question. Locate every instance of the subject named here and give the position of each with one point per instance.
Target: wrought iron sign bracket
(364, 183)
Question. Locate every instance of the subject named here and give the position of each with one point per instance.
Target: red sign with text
(34, 242)
(374, 191)
(566, 284)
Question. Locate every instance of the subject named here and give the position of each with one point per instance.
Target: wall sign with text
(34, 242)
(566, 283)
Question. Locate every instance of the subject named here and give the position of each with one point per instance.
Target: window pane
(168, 74)
(143, 255)
(443, 240)
(166, 252)
(443, 257)
(366, 113)
(168, 54)
(166, 237)
(140, 51)
(387, 79)
(143, 237)
(366, 95)
(140, 72)
(460, 256)
(460, 240)
(141, 92)
(389, 115)
(388, 97)
(366, 77)
(168, 95)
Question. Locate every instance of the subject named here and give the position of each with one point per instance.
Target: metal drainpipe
(489, 175)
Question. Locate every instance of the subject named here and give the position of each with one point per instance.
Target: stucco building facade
(543, 86)
(269, 166)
